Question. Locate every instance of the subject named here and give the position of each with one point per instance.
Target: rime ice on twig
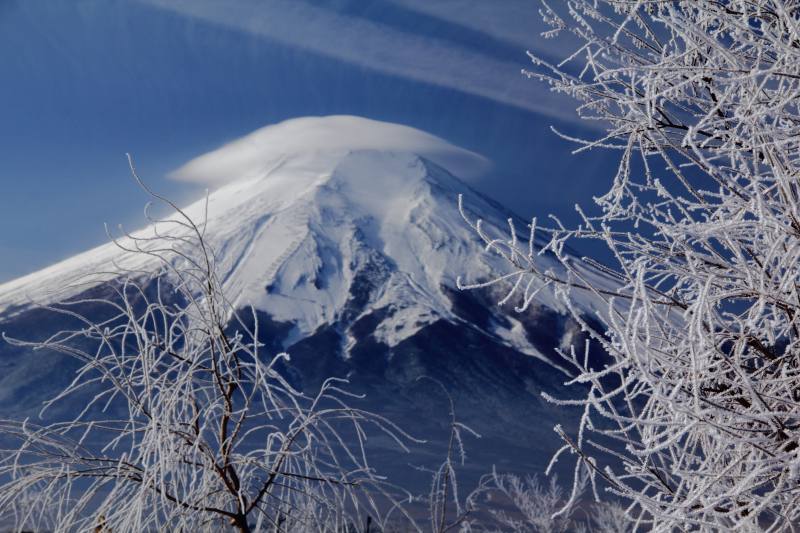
(698, 408)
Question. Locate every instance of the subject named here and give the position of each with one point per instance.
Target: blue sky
(84, 81)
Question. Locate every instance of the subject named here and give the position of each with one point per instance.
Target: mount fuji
(345, 235)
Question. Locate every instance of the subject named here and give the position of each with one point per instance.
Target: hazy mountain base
(495, 389)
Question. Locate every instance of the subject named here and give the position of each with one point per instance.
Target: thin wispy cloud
(516, 22)
(437, 60)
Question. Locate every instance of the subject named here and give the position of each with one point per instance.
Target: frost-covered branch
(695, 419)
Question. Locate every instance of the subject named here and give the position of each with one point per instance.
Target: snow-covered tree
(530, 507)
(189, 425)
(694, 419)
(507, 502)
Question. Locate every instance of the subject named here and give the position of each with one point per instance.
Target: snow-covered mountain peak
(349, 252)
(376, 226)
(363, 224)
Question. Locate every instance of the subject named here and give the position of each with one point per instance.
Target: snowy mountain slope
(293, 229)
(344, 234)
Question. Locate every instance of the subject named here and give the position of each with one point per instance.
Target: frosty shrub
(694, 421)
(529, 506)
(189, 426)
(507, 502)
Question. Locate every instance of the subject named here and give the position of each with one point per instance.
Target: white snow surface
(295, 230)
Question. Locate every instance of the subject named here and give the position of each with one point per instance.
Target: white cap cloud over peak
(256, 152)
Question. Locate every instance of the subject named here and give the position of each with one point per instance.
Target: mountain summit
(317, 218)
(344, 234)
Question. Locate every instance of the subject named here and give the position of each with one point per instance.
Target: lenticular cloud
(269, 146)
